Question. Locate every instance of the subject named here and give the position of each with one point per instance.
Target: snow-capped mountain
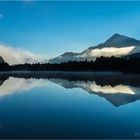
(117, 45)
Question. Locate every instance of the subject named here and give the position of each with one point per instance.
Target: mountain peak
(119, 40)
(118, 35)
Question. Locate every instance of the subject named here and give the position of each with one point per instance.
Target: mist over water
(69, 105)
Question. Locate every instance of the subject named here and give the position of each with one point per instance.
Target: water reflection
(15, 85)
(117, 95)
(118, 89)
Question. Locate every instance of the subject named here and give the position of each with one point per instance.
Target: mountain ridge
(117, 45)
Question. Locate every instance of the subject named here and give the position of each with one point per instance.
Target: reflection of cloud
(13, 85)
(18, 56)
(92, 86)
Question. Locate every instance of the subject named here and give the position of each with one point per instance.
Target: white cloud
(1, 15)
(19, 56)
(111, 51)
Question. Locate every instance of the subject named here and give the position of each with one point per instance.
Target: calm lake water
(69, 105)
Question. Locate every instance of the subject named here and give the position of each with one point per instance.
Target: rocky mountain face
(117, 45)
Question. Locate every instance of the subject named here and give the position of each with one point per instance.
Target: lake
(69, 105)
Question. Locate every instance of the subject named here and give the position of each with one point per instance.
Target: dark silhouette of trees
(123, 64)
(4, 66)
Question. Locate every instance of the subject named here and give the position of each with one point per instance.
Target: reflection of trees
(3, 78)
(101, 79)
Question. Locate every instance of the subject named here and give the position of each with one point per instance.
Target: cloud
(19, 56)
(111, 51)
(1, 15)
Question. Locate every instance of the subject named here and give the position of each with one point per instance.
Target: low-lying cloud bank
(19, 56)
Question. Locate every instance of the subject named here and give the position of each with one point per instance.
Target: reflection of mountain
(117, 95)
(117, 88)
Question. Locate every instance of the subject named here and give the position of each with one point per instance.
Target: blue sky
(53, 27)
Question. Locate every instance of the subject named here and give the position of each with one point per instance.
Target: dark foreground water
(69, 105)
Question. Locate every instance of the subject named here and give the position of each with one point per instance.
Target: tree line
(122, 64)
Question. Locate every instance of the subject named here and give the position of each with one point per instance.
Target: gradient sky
(53, 27)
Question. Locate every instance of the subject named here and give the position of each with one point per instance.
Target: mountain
(117, 45)
(118, 40)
